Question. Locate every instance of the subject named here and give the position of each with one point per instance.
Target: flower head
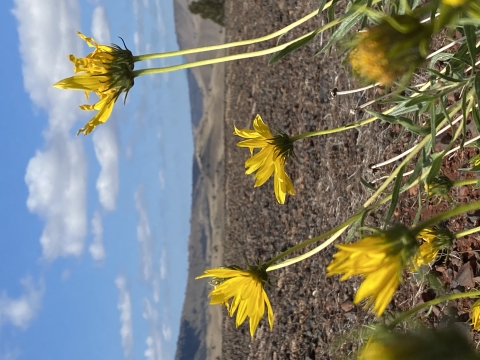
(380, 259)
(274, 151)
(245, 289)
(435, 240)
(107, 71)
(390, 49)
(455, 2)
(439, 187)
(475, 318)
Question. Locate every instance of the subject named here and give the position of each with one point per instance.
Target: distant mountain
(200, 334)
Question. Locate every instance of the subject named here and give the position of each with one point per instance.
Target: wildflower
(380, 259)
(446, 344)
(434, 241)
(476, 315)
(390, 49)
(439, 187)
(246, 289)
(455, 2)
(107, 71)
(274, 151)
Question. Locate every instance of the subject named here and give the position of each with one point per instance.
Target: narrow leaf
(395, 193)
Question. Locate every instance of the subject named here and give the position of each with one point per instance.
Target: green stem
(436, 301)
(232, 44)
(465, 182)
(301, 245)
(467, 232)
(332, 131)
(233, 57)
(446, 215)
(336, 232)
(216, 60)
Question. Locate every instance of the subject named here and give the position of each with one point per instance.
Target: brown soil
(314, 315)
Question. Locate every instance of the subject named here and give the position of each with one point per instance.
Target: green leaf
(416, 172)
(477, 86)
(464, 118)
(367, 184)
(405, 122)
(436, 165)
(395, 193)
(471, 42)
(292, 47)
(351, 232)
(476, 117)
(443, 76)
(350, 20)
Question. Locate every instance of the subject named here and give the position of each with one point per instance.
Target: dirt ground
(314, 315)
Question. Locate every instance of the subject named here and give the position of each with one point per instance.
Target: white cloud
(11, 355)
(125, 307)
(144, 234)
(55, 176)
(161, 179)
(96, 249)
(20, 311)
(163, 265)
(56, 181)
(100, 25)
(167, 332)
(154, 339)
(154, 347)
(65, 275)
(156, 290)
(106, 147)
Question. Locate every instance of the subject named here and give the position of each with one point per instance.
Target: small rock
(347, 306)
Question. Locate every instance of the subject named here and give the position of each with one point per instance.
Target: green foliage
(209, 9)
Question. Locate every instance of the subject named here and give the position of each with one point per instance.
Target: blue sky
(94, 229)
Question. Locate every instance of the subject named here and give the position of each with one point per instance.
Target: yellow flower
(380, 259)
(476, 315)
(271, 158)
(107, 71)
(454, 2)
(390, 49)
(434, 241)
(375, 350)
(246, 290)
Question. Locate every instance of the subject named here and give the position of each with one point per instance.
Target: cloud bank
(125, 307)
(56, 175)
(21, 311)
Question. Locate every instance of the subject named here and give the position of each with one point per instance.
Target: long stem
(436, 301)
(216, 60)
(337, 231)
(467, 232)
(233, 57)
(310, 241)
(446, 215)
(465, 182)
(231, 44)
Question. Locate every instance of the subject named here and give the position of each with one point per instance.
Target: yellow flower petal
(242, 292)
(270, 159)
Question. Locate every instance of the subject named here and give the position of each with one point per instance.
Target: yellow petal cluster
(107, 71)
(379, 261)
(455, 2)
(270, 159)
(375, 350)
(427, 252)
(385, 52)
(241, 291)
(475, 318)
